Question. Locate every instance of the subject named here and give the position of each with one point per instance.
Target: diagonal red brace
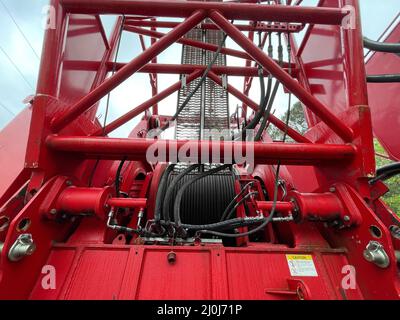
(147, 104)
(198, 44)
(59, 122)
(337, 125)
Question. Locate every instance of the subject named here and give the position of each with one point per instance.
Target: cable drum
(206, 199)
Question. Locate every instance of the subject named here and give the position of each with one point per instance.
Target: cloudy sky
(21, 35)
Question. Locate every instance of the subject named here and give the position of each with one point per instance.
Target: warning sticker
(301, 265)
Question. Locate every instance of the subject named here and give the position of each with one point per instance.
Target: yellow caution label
(301, 265)
(299, 257)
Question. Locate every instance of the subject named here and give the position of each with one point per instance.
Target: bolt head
(171, 257)
(346, 218)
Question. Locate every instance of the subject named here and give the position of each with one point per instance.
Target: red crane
(222, 211)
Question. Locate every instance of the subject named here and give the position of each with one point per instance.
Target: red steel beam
(192, 43)
(146, 105)
(296, 136)
(265, 27)
(154, 75)
(170, 68)
(236, 11)
(337, 125)
(246, 79)
(189, 68)
(59, 122)
(262, 153)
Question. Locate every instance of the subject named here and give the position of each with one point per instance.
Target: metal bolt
(23, 246)
(332, 189)
(171, 257)
(346, 218)
(53, 211)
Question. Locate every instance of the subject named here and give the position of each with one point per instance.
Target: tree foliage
(297, 122)
(392, 198)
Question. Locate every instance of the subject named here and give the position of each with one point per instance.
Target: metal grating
(208, 109)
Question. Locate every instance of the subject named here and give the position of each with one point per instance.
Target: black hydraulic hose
(389, 167)
(267, 112)
(264, 221)
(161, 192)
(386, 172)
(179, 195)
(381, 46)
(263, 104)
(383, 78)
(263, 96)
(171, 188)
(225, 225)
(233, 202)
(240, 202)
(276, 185)
(273, 95)
(118, 177)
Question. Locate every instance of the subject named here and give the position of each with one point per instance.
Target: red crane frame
(65, 140)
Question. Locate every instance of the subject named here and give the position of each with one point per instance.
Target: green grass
(392, 198)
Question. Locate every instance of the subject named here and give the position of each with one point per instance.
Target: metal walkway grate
(208, 108)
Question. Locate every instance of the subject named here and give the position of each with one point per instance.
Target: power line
(20, 30)
(7, 109)
(16, 68)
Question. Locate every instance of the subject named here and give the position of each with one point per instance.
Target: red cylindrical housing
(127, 202)
(280, 206)
(85, 200)
(317, 206)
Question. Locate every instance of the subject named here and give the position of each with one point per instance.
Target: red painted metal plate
(205, 272)
(384, 98)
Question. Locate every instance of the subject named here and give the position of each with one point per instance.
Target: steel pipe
(169, 68)
(181, 9)
(127, 202)
(280, 206)
(265, 27)
(202, 151)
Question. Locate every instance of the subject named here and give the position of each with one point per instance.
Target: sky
(21, 37)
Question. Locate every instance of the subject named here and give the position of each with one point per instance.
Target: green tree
(298, 122)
